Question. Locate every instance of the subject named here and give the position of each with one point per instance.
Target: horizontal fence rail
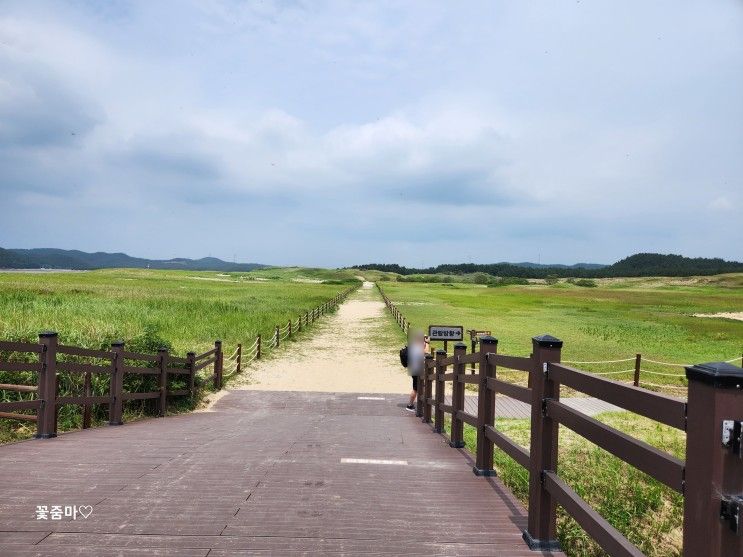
(50, 360)
(710, 479)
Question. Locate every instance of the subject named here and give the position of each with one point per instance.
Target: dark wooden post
(438, 423)
(162, 363)
(714, 469)
(422, 410)
(474, 347)
(485, 409)
(290, 327)
(541, 532)
(428, 390)
(87, 407)
(299, 324)
(190, 365)
(116, 391)
(46, 415)
(218, 365)
(258, 349)
(276, 337)
(457, 399)
(239, 357)
(636, 380)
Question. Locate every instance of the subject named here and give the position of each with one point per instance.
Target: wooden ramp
(266, 472)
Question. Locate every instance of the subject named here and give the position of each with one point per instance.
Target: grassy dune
(614, 320)
(188, 310)
(148, 309)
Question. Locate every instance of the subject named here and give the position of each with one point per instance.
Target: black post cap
(429, 356)
(717, 374)
(547, 341)
(217, 342)
(117, 343)
(441, 351)
(162, 349)
(488, 340)
(47, 334)
(460, 346)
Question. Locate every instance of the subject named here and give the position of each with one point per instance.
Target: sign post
(445, 333)
(474, 339)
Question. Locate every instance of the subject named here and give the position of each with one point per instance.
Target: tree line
(638, 265)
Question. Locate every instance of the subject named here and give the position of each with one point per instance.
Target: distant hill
(51, 258)
(638, 265)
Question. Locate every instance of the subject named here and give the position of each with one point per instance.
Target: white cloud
(361, 130)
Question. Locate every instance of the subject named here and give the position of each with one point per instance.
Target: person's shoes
(410, 408)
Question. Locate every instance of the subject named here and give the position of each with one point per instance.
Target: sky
(329, 133)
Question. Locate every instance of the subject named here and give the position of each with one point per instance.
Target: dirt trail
(340, 355)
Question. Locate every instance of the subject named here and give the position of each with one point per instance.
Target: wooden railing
(710, 479)
(48, 361)
(54, 359)
(395, 311)
(244, 355)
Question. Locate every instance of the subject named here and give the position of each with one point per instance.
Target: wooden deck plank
(312, 473)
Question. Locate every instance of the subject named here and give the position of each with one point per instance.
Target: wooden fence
(710, 479)
(53, 359)
(242, 356)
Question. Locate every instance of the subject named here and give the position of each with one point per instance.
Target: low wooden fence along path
(710, 479)
(263, 473)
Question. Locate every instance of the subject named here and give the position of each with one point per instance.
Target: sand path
(340, 355)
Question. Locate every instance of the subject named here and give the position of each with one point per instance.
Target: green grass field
(612, 321)
(181, 310)
(188, 310)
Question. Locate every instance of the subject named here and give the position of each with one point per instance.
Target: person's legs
(413, 394)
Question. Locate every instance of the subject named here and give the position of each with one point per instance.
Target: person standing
(416, 363)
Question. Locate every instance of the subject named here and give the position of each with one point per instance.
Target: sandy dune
(339, 356)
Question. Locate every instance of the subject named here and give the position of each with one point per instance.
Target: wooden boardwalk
(265, 473)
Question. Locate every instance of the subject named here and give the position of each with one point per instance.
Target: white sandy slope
(338, 355)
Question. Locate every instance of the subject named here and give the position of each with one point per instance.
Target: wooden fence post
(258, 349)
(276, 337)
(218, 365)
(427, 390)
(438, 423)
(87, 407)
(191, 364)
(46, 420)
(239, 357)
(713, 479)
(290, 327)
(423, 411)
(457, 399)
(636, 380)
(485, 409)
(162, 363)
(541, 532)
(116, 391)
(299, 324)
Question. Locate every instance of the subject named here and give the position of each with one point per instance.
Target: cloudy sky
(332, 133)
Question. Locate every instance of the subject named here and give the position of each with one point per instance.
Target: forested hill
(638, 265)
(72, 259)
